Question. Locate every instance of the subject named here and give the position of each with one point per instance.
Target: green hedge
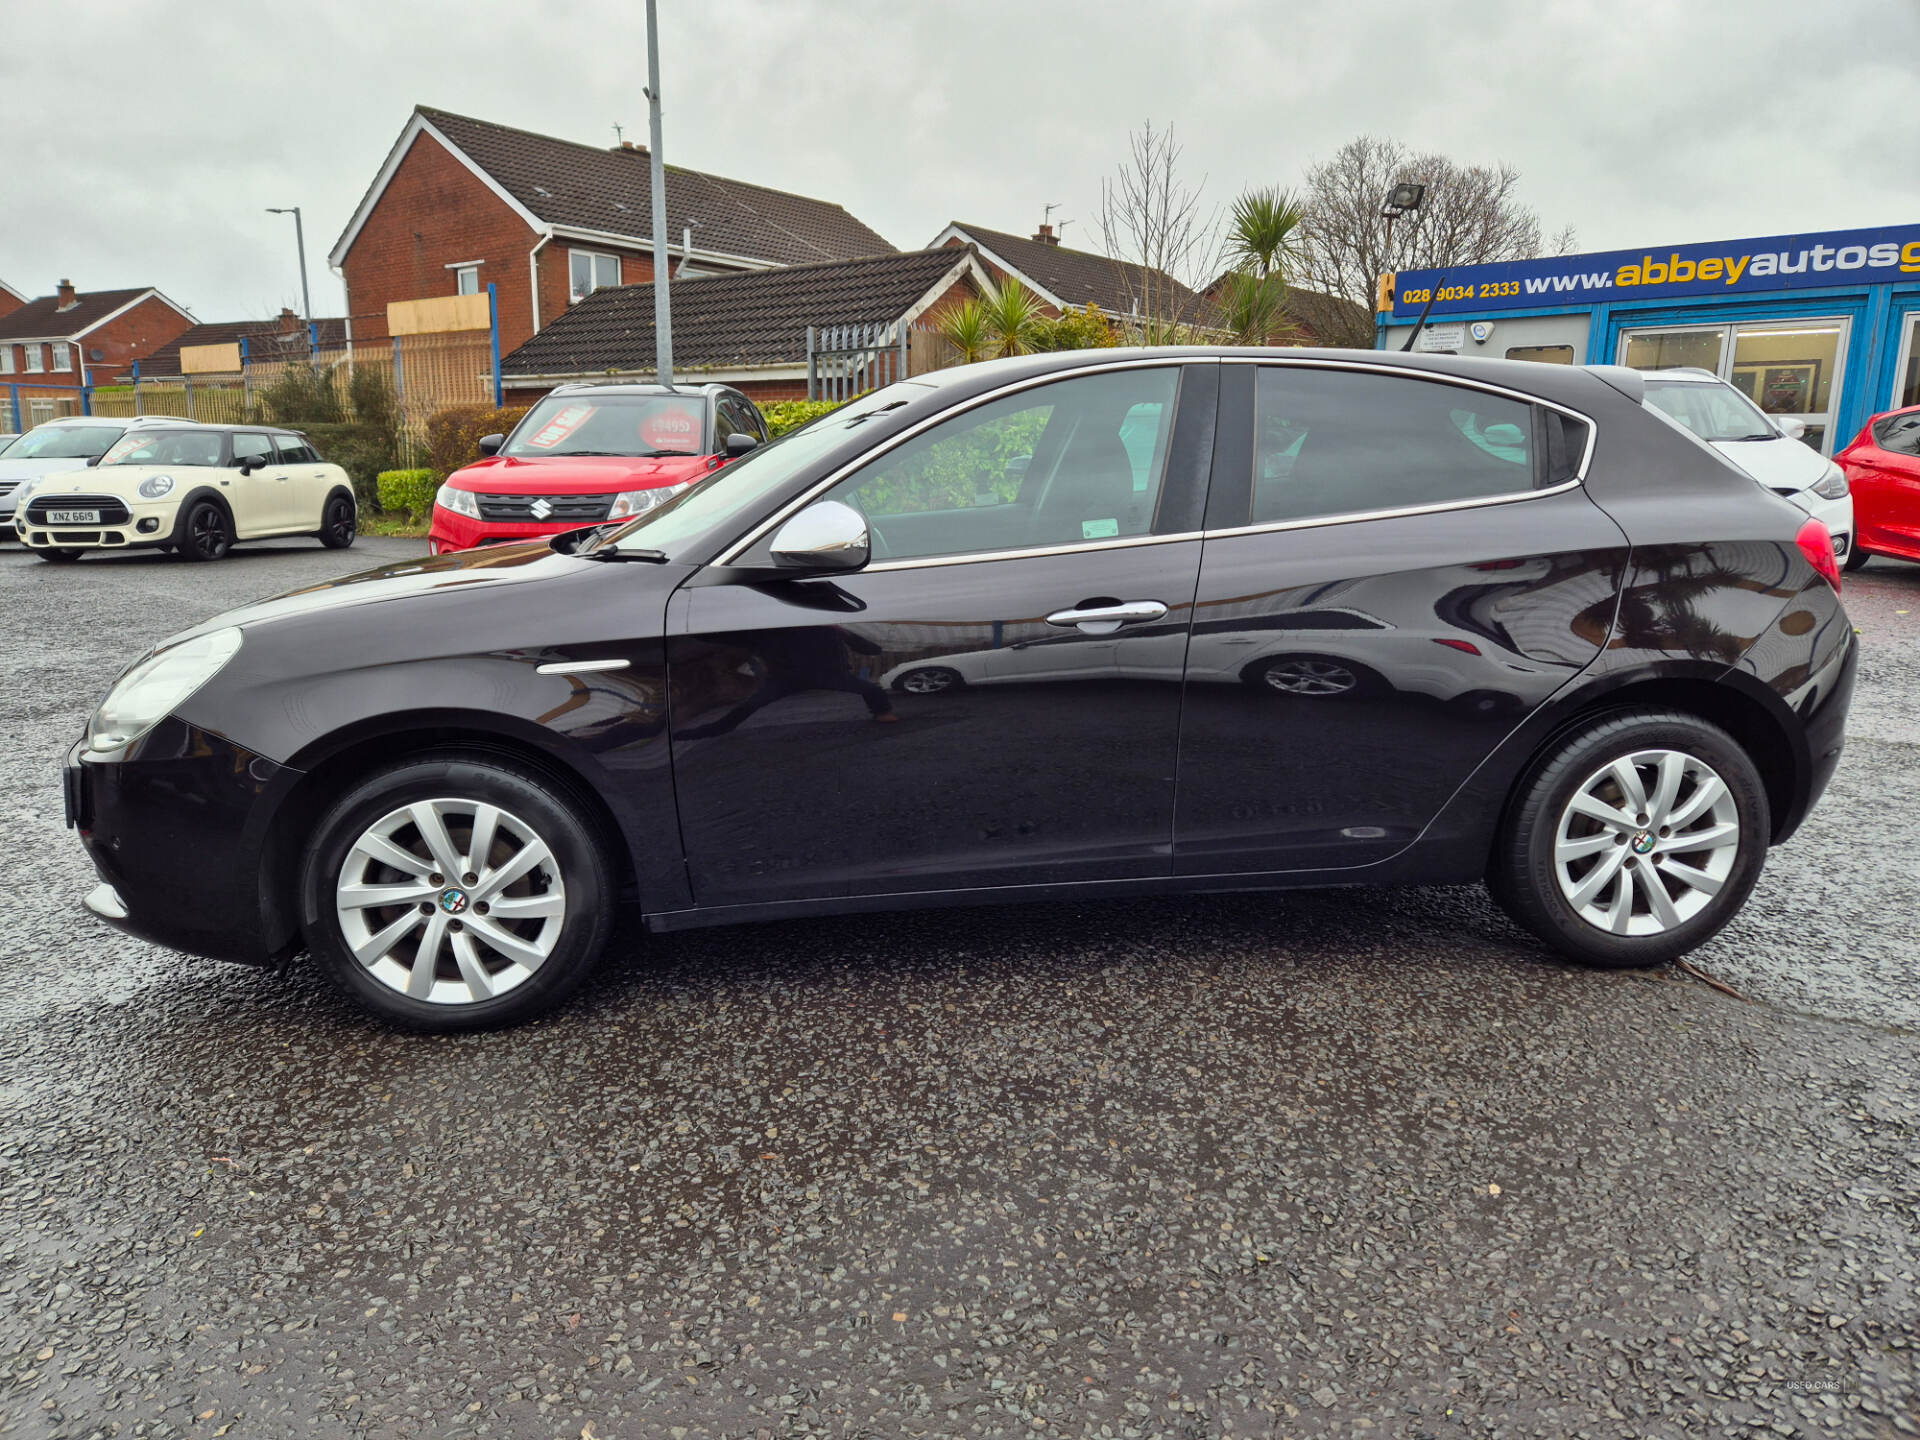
(785, 415)
(363, 450)
(453, 434)
(409, 490)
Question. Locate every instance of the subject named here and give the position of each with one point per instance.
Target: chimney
(68, 297)
(289, 322)
(629, 145)
(1046, 236)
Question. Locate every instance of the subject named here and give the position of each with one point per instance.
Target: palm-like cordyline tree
(1013, 312)
(968, 330)
(1260, 240)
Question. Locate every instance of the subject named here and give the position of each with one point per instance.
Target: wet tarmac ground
(1339, 1163)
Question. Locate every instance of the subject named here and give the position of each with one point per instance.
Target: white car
(1769, 450)
(192, 489)
(54, 445)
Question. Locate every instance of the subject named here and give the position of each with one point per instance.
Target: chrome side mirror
(828, 537)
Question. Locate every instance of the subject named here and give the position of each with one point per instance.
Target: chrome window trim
(1163, 362)
(1124, 542)
(1348, 517)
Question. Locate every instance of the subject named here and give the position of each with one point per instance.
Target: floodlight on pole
(300, 241)
(662, 260)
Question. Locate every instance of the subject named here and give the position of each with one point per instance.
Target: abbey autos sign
(1781, 262)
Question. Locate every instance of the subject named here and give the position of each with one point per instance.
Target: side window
(1054, 465)
(1332, 442)
(734, 419)
(294, 451)
(254, 449)
(1899, 433)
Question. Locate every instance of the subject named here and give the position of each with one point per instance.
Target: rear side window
(294, 450)
(1899, 433)
(1332, 442)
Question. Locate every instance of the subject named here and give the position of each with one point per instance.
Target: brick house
(747, 329)
(1316, 318)
(1067, 279)
(285, 337)
(75, 338)
(461, 203)
(10, 299)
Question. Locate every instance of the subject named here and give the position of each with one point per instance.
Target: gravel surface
(1335, 1163)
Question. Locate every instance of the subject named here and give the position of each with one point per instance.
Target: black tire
(929, 680)
(1319, 678)
(60, 554)
(1856, 556)
(206, 533)
(1523, 876)
(339, 522)
(559, 820)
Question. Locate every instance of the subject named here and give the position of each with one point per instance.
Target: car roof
(1691, 374)
(644, 387)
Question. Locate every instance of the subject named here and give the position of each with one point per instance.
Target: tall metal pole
(662, 305)
(300, 242)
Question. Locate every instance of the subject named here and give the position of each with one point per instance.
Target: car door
(307, 481)
(260, 499)
(1885, 477)
(800, 776)
(1398, 570)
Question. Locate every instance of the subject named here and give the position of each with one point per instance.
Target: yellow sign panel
(442, 312)
(210, 359)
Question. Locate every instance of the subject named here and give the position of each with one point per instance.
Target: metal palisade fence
(848, 360)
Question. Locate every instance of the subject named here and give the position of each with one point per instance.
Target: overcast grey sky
(145, 138)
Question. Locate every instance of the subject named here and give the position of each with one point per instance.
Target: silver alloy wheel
(1307, 676)
(926, 682)
(451, 901)
(1646, 842)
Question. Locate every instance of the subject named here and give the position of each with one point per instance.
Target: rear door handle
(1105, 619)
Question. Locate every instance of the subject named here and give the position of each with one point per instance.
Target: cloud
(146, 140)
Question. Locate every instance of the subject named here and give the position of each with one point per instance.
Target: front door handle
(1105, 619)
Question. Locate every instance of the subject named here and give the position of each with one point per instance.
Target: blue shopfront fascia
(1877, 316)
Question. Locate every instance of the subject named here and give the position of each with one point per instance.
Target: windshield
(733, 494)
(64, 442)
(165, 447)
(1713, 412)
(612, 425)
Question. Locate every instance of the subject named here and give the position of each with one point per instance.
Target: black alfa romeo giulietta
(1103, 623)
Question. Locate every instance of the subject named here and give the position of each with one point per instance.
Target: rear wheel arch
(333, 765)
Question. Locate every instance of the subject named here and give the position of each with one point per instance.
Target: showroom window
(1542, 354)
(589, 271)
(1907, 381)
(1332, 442)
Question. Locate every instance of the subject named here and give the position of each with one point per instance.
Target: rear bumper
(176, 834)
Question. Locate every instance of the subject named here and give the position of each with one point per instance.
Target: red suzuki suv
(590, 453)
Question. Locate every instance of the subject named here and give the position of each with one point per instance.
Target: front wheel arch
(178, 536)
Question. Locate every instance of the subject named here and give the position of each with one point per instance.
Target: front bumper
(178, 833)
(461, 532)
(147, 523)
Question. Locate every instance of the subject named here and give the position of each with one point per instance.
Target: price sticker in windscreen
(671, 427)
(560, 426)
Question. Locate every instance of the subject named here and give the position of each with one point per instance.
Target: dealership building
(1823, 328)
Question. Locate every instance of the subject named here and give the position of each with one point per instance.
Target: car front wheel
(60, 554)
(456, 893)
(1634, 840)
(209, 533)
(1857, 557)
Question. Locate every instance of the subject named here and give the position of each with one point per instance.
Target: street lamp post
(662, 259)
(300, 240)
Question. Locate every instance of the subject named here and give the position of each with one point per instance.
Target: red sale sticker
(561, 426)
(671, 427)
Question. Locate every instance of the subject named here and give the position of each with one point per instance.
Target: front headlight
(629, 503)
(460, 502)
(154, 486)
(1832, 485)
(156, 686)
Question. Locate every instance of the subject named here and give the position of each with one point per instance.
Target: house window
(467, 280)
(36, 359)
(62, 355)
(6, 359)
(589, 271)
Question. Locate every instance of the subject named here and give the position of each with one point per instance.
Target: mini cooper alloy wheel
(450, 901)
(1646, 842)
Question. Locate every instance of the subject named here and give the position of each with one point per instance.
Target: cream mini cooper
(194, 490)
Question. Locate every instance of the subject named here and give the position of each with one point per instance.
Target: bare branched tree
(1472, 215)
(1154, 227)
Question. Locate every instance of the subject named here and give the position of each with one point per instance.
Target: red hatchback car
(1883, 471)
(591, 453)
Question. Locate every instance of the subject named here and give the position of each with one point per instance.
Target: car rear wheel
(209, 533)
(60, 554)
(339, 524)
(456, 893)
(1634, 840)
